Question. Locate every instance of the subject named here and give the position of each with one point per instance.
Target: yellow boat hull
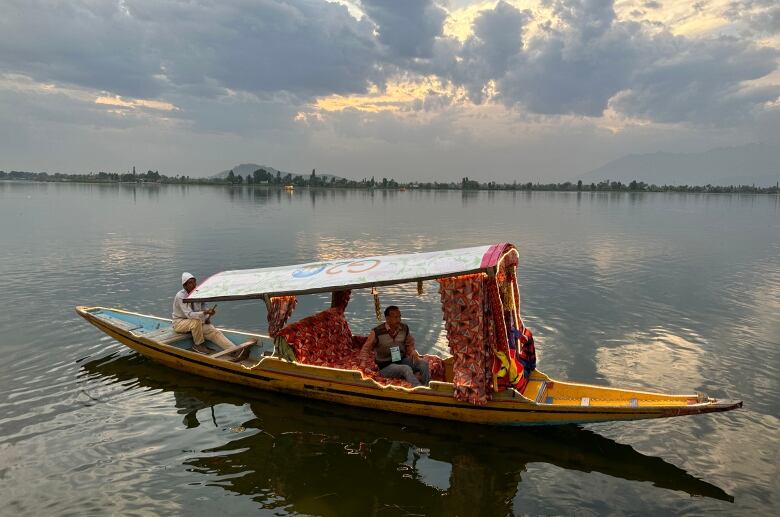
(544, 402)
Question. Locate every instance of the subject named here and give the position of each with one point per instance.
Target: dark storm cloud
(761, 16)
(143, 48)
(90, 44)
(407, 27)
(306, 47)
(577, 66)
(700, 81)
(589, 59)
(496, 42)
(239, 114)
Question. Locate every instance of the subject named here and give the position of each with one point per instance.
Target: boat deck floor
(161, 330)
(543, 391)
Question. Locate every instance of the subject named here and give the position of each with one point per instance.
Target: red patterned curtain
(499, 341)
(516, 291)
(463, 305)
(340, 299)
(280, 308)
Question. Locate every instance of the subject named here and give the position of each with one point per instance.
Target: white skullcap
(185, 277)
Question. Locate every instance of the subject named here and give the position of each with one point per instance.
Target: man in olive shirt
(393, 350)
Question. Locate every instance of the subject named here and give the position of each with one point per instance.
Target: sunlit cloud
(117, 101)
(459, 22)
(397, 96)
(682, 18)
(353, 7)
(25, 84)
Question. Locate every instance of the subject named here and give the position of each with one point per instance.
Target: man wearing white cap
(196, 318)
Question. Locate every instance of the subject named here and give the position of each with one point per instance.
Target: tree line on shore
(263, 177)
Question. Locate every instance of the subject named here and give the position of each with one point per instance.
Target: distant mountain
(247, 169)
(752, 164)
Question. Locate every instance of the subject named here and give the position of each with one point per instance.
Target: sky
(537, 90)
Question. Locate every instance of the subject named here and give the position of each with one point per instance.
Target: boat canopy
(350, 273)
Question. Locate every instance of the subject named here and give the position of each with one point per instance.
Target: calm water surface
(670, 291)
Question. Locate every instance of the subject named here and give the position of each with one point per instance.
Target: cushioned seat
(325, 339)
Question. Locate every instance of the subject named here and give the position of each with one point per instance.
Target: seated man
(394, 352)
(196, 318)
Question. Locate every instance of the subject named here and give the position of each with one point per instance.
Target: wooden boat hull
(545, 402)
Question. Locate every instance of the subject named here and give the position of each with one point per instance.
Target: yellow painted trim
(351, 387)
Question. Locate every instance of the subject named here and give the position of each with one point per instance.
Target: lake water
(669, 291)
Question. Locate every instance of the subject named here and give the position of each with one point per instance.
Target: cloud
(147, 48)
(497, 41)
(584, 61)
(408, 28)
(307, 47)
(119, 102)
(575, 65)
(319, 78)
(90, 44)
(761, 16)
(27, 103)
(572, 57)
(700, 81)
(241, 113)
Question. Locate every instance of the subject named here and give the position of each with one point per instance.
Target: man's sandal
(202, 349)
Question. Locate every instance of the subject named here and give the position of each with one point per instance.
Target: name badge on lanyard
(395, 354)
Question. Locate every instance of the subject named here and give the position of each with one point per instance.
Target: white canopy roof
(348, 273)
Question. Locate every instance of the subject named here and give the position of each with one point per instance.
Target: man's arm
(367, 349)
(187, 310)
(411, 350)
(208, 313)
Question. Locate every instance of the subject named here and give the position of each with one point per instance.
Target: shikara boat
(490, 378)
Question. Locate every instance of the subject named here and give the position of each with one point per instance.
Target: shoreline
(561, 187)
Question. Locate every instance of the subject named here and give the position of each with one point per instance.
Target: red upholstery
(435, 366)
(325, 339)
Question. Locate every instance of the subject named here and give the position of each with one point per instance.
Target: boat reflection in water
(315, 457)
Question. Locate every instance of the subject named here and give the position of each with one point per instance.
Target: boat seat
(325, 339)
(535, 389)
(166, 335)
(242, 346)
(124, 325)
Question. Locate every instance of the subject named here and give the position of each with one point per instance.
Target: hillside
(750, 164)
